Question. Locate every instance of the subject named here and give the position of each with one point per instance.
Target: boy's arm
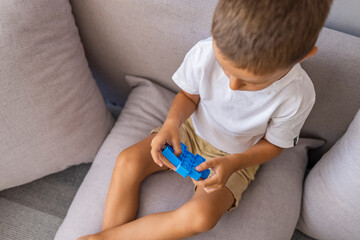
(261, 152)
(223, 167)
(183, 105)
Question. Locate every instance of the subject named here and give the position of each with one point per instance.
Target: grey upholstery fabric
(157, 34)
(52, 114)
(151, 39)
(269, 209)
(140, 37)
(21, 222)
(145, 108)
(331, 205)
(33, 212)
(335, 73)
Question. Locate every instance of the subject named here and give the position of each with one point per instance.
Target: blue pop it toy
(185, 164)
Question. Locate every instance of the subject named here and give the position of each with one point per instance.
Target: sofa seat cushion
(269, 208)
(52, 114)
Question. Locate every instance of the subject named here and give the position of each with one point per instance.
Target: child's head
(265, 36)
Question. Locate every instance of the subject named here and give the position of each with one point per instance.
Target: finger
(176, 145)
(194, 181)
(154, 150)
(155, 156)
(166, 162)
(210, 182)
(205, 165)
(198, 182)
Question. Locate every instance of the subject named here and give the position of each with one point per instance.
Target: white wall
(345, 16)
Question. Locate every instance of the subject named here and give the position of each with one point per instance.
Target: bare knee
(128, 163)
(204, 222)
(198, 219)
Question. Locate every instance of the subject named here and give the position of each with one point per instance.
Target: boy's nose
(235, 83)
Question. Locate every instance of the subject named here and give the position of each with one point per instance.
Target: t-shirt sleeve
(284, 127)
(189, 74)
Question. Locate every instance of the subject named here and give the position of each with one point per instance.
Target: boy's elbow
(277, 150)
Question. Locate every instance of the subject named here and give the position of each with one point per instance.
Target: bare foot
(90, 237)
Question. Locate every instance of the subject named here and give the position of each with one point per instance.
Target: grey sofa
(149, 39)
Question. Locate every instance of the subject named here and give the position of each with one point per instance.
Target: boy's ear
(311, 53)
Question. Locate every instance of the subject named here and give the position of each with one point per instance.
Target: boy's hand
(223, 168)
(168, 135)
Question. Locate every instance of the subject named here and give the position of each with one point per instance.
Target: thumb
(205, 165)
(177, 147)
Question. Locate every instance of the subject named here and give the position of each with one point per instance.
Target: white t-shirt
(233, 121)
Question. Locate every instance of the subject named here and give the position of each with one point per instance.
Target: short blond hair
(262, 36)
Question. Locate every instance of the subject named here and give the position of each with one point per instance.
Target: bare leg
(199, 214)
(132, 166)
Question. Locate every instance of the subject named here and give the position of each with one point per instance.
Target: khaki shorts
(238, 181)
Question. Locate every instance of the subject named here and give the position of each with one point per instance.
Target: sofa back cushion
(331, 205)
(140, 37)
(335, 73)
(151, 38)
(52, 114)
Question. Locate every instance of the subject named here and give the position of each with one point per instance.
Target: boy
(247, 97)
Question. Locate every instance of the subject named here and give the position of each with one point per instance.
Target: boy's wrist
(172, 122)
(235, 161)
